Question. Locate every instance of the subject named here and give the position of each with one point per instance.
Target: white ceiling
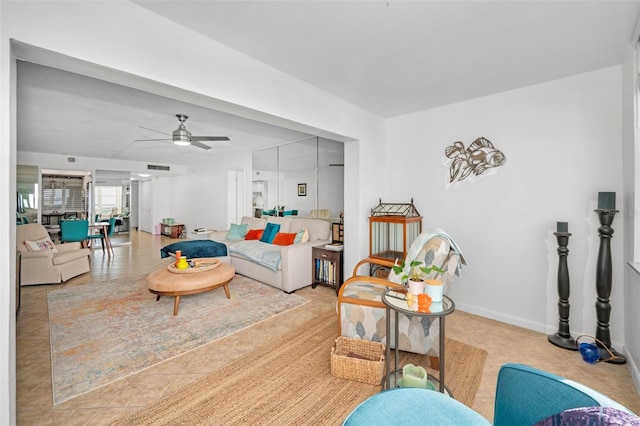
(395, 57)
(389, 57)
(69, 114)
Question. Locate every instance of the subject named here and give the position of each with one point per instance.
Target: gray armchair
(49, 266)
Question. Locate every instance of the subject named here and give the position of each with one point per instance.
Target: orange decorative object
(424, 302)
(178, 255)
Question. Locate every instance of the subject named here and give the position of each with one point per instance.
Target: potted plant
(414, 276)
(415, 272)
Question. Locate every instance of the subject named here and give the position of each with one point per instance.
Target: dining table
(103, 228)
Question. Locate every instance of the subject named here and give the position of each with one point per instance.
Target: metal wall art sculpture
(481, 157)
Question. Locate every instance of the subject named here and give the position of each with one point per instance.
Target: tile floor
(503, 342)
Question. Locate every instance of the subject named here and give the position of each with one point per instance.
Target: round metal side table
(396, 300)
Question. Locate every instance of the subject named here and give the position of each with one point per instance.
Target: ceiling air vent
(155, 167)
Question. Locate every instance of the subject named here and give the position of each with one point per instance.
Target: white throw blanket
(264, 254)
(417, 245)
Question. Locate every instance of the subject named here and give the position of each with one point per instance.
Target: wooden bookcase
(327, 267)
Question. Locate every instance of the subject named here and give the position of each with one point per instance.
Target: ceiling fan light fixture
(181, 136)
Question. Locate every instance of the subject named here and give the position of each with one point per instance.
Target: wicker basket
(357, 359)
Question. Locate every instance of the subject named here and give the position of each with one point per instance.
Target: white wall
(199, 198)
(631, 162)
(288, 192)
(562, 141)
(331, 193)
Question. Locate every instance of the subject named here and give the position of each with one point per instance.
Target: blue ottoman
(195, 249)
(413, 406)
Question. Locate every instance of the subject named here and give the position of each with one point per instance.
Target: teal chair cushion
(413, 406)
(74, 230)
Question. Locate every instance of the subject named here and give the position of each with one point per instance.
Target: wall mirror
(28, 196)
(305, 178)
(64, 195)
(111, 198)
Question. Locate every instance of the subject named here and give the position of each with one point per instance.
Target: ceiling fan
(181, 136)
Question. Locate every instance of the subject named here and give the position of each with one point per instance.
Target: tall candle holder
(563, 337)
(603, 285)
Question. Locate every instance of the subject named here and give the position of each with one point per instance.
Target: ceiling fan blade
(147, 140)
(199, 145)
(157, 131)
(209, 138)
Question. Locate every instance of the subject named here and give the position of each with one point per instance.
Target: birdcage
(392, 228)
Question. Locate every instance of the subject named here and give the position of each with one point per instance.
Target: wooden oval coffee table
(165, 283)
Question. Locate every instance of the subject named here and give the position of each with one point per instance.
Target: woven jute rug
(288, 381)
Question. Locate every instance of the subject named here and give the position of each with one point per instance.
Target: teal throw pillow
(237, 232)
(270, 232)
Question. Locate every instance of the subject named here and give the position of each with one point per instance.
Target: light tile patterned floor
(503, 342)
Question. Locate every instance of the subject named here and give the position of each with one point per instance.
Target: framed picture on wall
(302, 190)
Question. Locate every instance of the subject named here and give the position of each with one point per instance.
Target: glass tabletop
(396, 299)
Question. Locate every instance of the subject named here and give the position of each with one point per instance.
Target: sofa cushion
(284, 222)
(40, 244)
(237, 232)
(270, 232)
(62, 258)
(302, 236)
(254, 222)
(284, 238)
(254, 234)
(318, 229)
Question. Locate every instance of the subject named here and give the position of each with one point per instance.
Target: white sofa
(295, 270)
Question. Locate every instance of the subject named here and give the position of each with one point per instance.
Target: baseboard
(633, 368)
(529, 325)
(508, 319)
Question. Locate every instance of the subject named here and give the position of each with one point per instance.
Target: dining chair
(110, 229)
(74, 231)
(105, 238)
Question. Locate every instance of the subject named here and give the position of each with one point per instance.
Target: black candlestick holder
(563, 337)
(603, 288)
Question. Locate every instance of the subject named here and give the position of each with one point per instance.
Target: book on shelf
(335, 246)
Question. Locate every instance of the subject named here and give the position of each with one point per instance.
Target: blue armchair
(525, 396)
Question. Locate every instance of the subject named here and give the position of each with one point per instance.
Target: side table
(327, 267)
(396, 300)
(173, 230)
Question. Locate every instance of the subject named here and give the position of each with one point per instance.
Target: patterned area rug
(105, 331)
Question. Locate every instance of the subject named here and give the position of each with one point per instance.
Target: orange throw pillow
(253, 234)
(284, 238)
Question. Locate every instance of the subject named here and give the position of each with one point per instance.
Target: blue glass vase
(590, 352)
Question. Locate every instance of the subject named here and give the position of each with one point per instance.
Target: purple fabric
(591, 416)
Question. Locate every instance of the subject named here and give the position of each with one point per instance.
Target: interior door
(145, 198)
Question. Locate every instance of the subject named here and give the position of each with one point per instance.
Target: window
(62, 195)
(108, 200)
